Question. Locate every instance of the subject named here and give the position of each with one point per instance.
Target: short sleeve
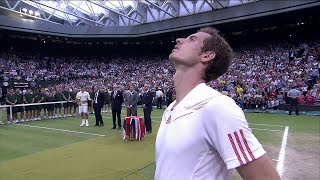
(227, 131)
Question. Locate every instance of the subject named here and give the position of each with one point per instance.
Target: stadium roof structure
(110, 12)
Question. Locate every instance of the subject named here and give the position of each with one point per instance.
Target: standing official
(131, 101)
(74, 101)
(98, 102)
(147, 99)
(90, 103)
(169, 96)
(159, 95)
(40, 99)
(58, 97)
(20, 109)
(293, 95)
(28, 98)
(116, 102)
(106, 100)
(11, 99)
(66, 97)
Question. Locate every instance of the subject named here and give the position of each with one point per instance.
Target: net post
(10, 113)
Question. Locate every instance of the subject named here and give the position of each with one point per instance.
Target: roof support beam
(176, 6)
(124, 22)
(210, 4)
(68, 19)
(90, 8)
(203, 2)
(17, 3)
(52, 13)
(56, 9)
(78, 23)
(78, 5)
(110, 22)
(103, 12)
(226, 3)
(9, 6)
(142, 10)
(41, 11)
(152, 15)
(165, 13)
(185, 6)
(73, 10)
(101, 18)
(214, 4)
(105, 7)
(158, 7)
(135, 18)
(114, 17)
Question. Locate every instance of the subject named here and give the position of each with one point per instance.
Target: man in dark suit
(98, 102)
(116, 102)
(131, 101)
(147, 99)
(169, 96)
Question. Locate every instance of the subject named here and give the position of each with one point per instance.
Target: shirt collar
(197, 96)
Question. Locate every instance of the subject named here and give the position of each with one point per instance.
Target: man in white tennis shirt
(82, 98)
(203, 134)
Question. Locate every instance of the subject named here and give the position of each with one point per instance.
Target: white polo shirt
(84, 97)
(204, 137)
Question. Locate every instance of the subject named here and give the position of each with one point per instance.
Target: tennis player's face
(188, 50)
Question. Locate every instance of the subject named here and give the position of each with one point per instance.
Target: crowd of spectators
(259, 77)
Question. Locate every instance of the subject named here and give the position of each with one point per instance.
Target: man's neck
(185, 81)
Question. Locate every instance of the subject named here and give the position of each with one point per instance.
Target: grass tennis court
(60, 149)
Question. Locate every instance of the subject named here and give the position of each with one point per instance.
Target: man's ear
(208, 56)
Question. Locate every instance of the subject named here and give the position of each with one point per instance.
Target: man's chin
(171, 57)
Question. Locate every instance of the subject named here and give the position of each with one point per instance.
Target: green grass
(38, 154)
(19, 141)
(301, 123)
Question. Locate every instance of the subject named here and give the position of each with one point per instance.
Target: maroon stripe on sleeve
(246, 144)
(240, 146)
(235, 149)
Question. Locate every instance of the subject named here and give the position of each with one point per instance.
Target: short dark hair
(223, 59)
